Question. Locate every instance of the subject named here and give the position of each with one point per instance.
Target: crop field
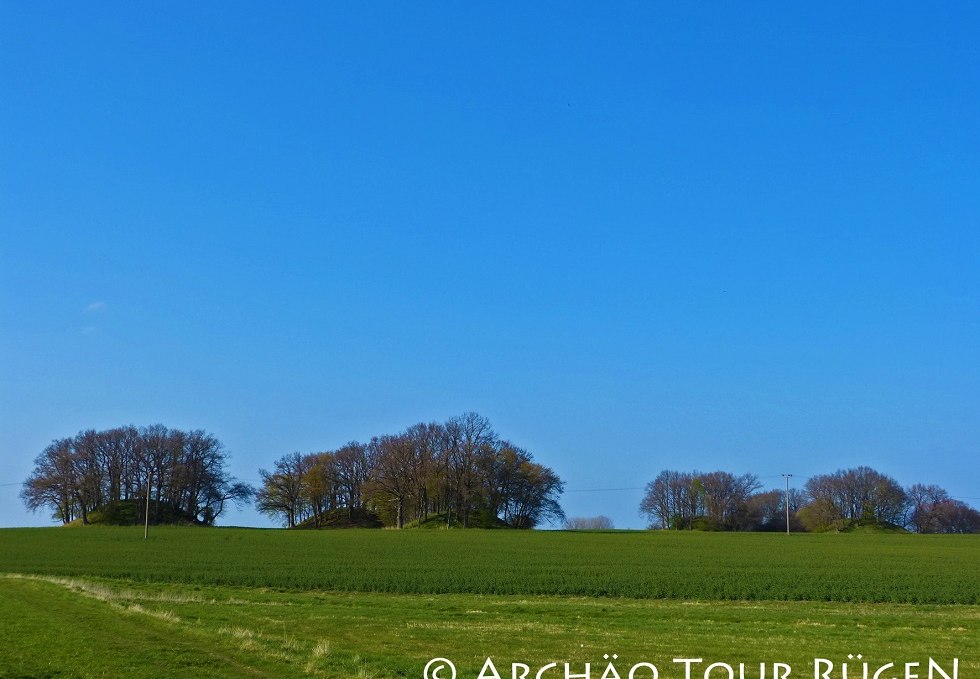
(690, 565)
(98, 601)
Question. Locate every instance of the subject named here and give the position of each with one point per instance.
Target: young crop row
(861, 568)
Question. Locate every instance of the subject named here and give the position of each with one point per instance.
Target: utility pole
(787, 501)
(146, 524)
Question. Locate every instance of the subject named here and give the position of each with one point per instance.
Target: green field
(233, 602)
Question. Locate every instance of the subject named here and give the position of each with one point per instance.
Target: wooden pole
(787, 502)
(146, 523)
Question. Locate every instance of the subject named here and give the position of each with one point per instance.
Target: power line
(601, 490)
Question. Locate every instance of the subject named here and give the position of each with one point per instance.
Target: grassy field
(226, 602)
(755, 566)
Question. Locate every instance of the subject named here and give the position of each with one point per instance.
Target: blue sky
(635, 236)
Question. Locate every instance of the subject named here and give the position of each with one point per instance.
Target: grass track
(96, 628)
(49, 631)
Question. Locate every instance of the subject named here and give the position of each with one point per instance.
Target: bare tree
(353, 472)
(321, 484)
(589, 523)
(471, 434)
(395, 472)
(673, 500)
(52, 482)
(425, 440)
(281, 494)
(726, 498)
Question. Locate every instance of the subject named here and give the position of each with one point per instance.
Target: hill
(133, 513)
(438, 522)
(342, 518)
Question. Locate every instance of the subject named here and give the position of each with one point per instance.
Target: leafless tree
(673, 500)
(353, 472)
(52, 482)
(395, 472)
(726, 498)
(469, 433)
(589, 523)
(281, 494)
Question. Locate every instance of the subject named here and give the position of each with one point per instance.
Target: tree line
(460, 471)
(722, 501)
(181, 474)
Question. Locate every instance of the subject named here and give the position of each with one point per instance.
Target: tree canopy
(100, 473)
(460, 471)
(837, 501)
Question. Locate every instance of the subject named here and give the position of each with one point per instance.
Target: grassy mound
(437, 521)
(133, 513)
(870, 526)
(343, 518)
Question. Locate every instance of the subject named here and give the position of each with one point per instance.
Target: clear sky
(636, 236)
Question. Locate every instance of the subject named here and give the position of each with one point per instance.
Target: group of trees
(863, 494)
(460, 470)
(722, 501)
(848, 495)
(714, 500)
(934, 511)
(600, 522)
(106, 471)
(304, 487)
